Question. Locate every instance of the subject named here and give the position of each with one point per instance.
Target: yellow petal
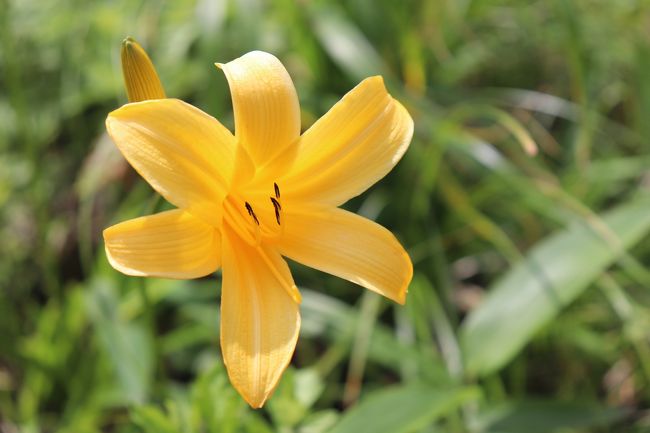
(140, 77)
(351, 147)
(184, 154)
(259, 320)
(171, 244)
(348, 246)
(267, 113)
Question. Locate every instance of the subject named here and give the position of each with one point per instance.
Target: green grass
(530, 306)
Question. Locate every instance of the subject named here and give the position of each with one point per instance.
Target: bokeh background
(530, 306)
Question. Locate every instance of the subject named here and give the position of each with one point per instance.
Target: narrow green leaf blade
(546, 416)
(346, 44)
(402, 409)
(531, 294)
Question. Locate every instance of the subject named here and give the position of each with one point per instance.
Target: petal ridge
(348, 246)
(265, 105)
(260, 321)
(360, 140)
(183, 153)
(170, 244)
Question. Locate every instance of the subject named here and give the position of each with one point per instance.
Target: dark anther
(278, 208)
(249, 208)
(277, 190)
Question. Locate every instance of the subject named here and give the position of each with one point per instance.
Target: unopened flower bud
(140, 76)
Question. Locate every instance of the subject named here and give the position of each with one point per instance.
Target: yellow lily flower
(246, 200)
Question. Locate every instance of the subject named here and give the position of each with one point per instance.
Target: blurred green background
(530, 306)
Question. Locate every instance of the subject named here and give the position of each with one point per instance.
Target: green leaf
(215, 404)
(127, 345)
(319, 422)
(152, 420)
(346, 44)
(402, 409)
(546, 416)
(324, 315)
(555, 273)
(285, 410)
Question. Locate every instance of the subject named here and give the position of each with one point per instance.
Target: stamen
(249, 208)
(277, 190)
(258, 234)
(276, 203)
(278, 208)
(233, 214)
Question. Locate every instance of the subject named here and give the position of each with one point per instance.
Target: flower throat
(254, 219)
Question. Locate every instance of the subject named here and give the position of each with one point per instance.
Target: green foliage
(537, 416)
(492, 230)
(536, 290)
(402, 410)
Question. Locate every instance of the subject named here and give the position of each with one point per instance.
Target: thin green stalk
(479, 223)
(84, 234)
(625, 311)
(370, 308)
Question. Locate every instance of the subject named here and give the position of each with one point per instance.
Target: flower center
(255, 216)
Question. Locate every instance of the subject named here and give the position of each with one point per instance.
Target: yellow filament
(231, 212)
(288, 286)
